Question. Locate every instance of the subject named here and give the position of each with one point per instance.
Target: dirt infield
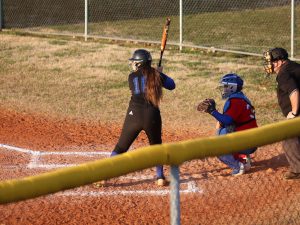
(208, 194)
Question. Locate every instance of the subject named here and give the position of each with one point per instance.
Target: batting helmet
(230, 83)
(140, 58)
(273, 55)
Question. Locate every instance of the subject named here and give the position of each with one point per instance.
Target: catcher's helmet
(273, 55)
(140, 58)
(230, 83)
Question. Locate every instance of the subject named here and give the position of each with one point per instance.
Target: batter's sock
(160, 172)
(113, 153)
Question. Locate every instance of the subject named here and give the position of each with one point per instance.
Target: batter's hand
(291, 115)
(159, 69)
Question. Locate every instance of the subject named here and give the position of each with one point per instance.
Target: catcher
(238, 114)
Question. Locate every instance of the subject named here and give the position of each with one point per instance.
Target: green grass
(88, 80)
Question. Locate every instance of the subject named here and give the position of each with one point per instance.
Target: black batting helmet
(140, 58)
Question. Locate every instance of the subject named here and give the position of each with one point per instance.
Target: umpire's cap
(278, 54)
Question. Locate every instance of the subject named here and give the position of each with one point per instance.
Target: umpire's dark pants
(291, 148)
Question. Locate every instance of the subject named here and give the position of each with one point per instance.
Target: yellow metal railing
(146, 157)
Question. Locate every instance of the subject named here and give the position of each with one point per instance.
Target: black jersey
(288, 79)
(137, 85)
(141, 115)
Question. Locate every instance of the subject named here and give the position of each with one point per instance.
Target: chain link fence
(248, 27)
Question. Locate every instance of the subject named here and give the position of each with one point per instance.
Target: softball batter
(145, 83)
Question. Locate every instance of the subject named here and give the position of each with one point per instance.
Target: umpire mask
(268, 65)
(273, 55)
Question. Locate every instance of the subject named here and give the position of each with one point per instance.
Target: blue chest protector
(235, 95)
(231, 128)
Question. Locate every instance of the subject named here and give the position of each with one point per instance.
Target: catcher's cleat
(239, 171)
(99, 184)
(162, 182)
(247, 164)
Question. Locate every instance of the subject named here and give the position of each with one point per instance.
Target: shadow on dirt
(274, 163)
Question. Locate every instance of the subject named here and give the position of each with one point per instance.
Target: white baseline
(34, 164)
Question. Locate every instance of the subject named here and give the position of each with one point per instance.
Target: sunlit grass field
(69, 78)
(240, 30)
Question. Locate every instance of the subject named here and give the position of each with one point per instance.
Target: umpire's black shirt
(288, 79)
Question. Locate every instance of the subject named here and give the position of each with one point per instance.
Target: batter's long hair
(153, 85)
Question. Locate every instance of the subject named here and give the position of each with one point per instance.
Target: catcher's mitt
(208, 105)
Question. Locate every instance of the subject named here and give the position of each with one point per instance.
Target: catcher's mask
(140, 59)
(273, 55)
(229, 84)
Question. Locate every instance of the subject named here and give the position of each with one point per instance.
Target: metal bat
(164, 39)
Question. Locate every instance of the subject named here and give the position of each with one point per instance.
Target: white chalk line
(192, 188)
(32, 152)
(35, 156)
(34, 164)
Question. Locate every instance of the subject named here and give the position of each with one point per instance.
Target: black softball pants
(140, 117)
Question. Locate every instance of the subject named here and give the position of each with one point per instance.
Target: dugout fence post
(1, 14)
(180, 24)
(175, 196)
(86, 15)
(292, 27)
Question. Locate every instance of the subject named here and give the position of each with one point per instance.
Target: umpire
(288, 86)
